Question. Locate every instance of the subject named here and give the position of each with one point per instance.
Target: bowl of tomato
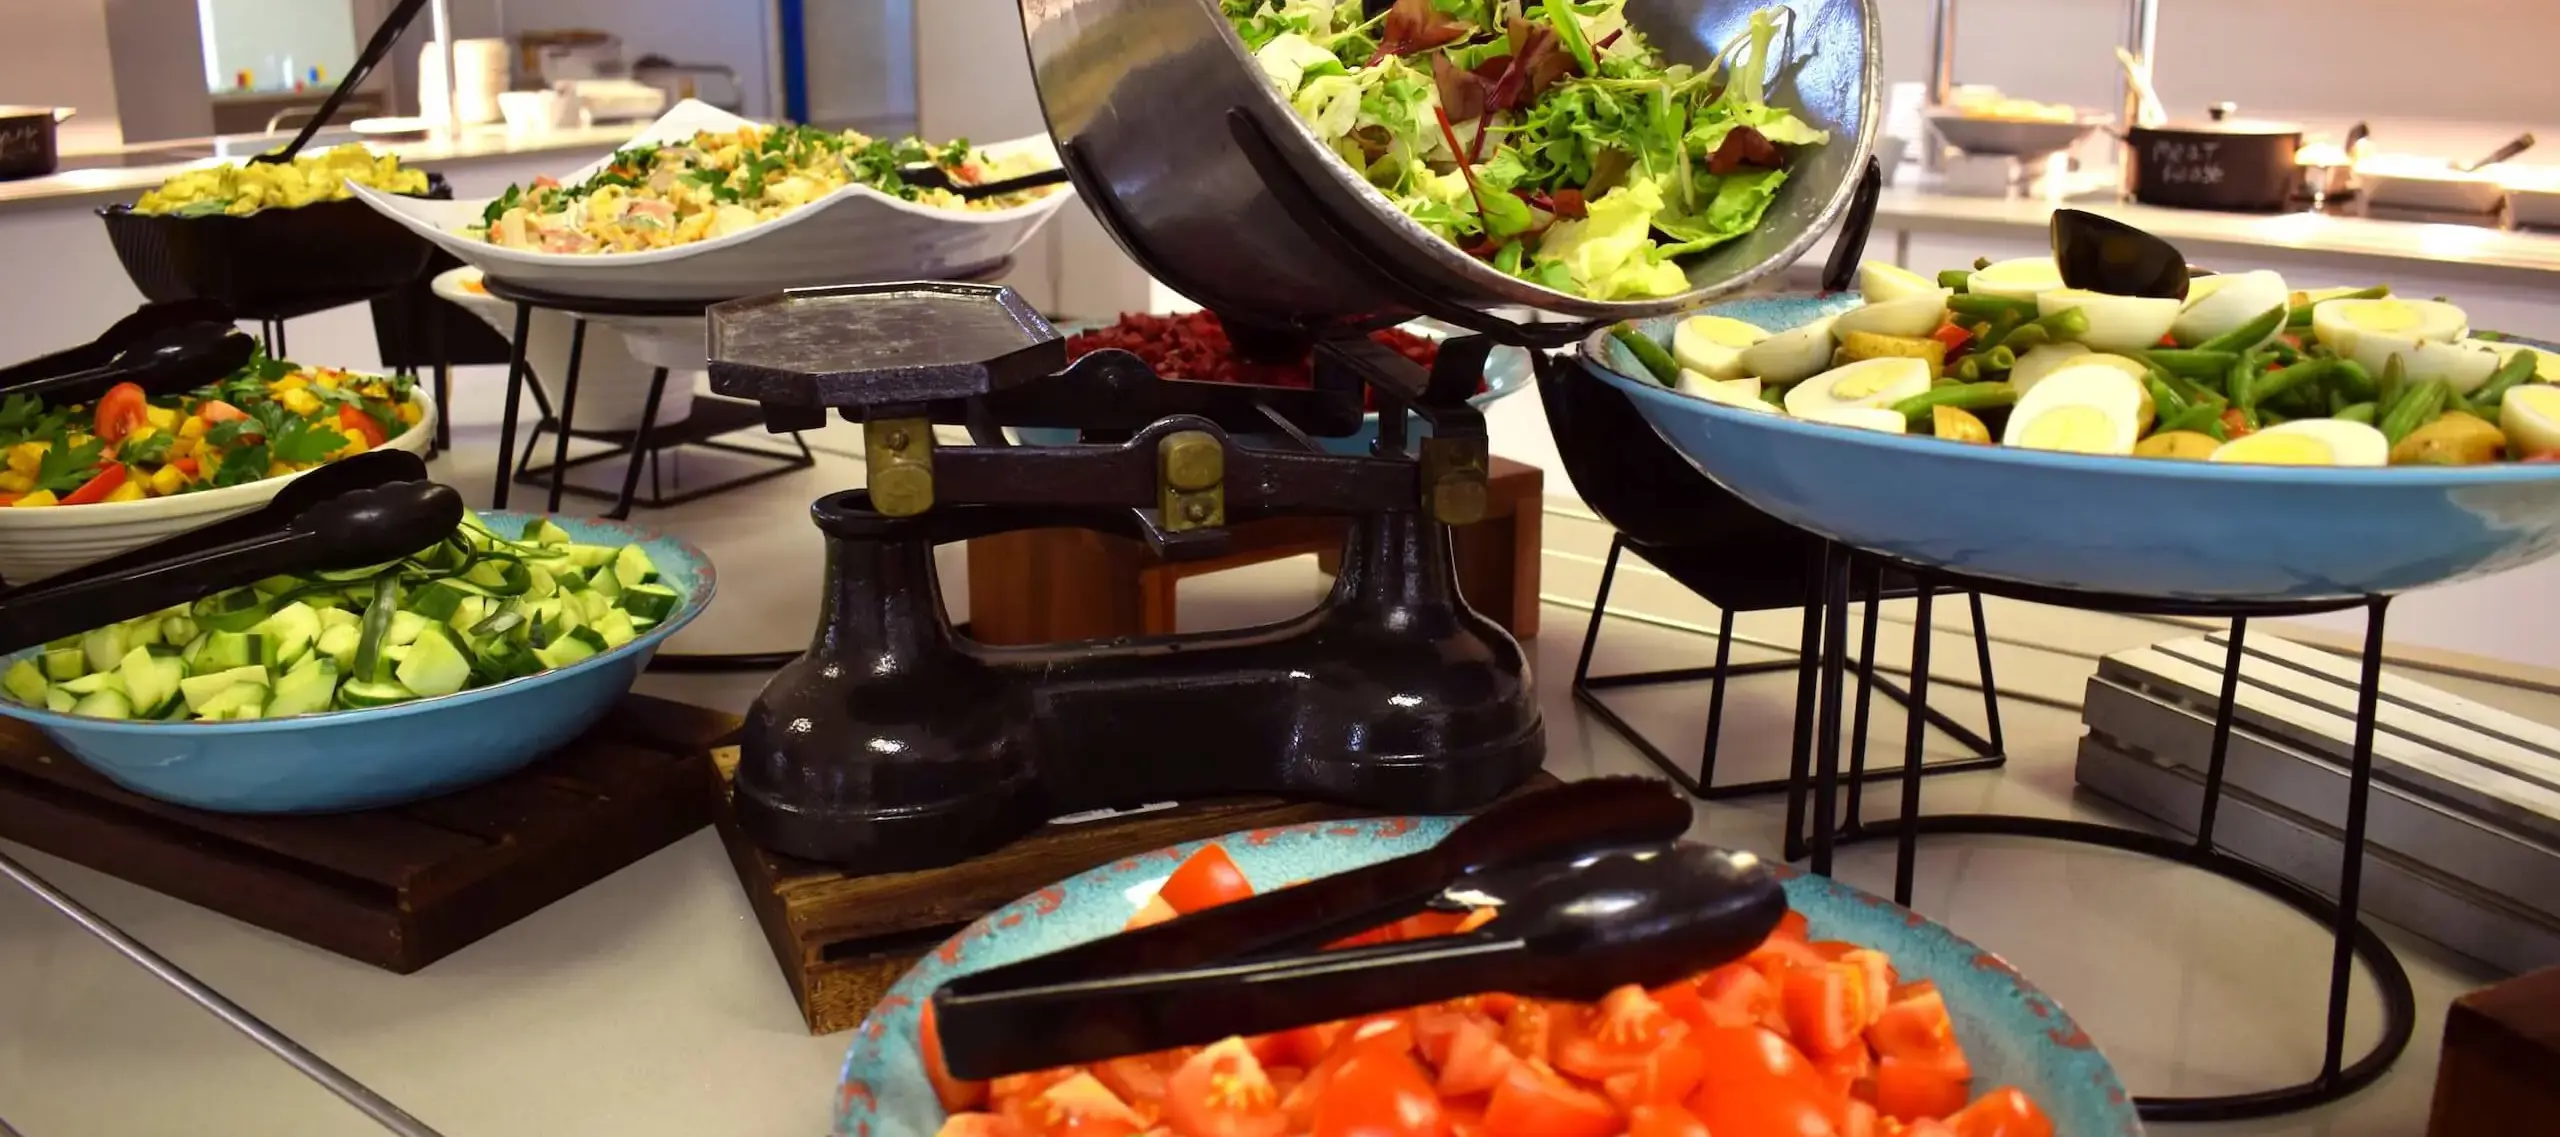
(1857, 1018)
(85, 482)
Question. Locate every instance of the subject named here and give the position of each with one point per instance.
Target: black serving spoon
(374, 49)
(2102, 254)
(133, 328)
(351, 530)
(304, 491)
(1578, 914)
(935, 177)
(167, 361)
(2516, 145)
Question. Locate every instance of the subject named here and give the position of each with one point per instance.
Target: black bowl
(273, 264)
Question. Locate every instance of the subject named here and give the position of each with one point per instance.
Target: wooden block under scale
(2500, 1072)
(843, 940)
(402, 887)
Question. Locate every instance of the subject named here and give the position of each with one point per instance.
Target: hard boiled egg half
(1915, 315)
(1712, 345)
(2226, 302)
(2427, 335)
(1791, 356)
(2022, 279)
(2093, 409)
(2116, 323)
(1882, 283)
(1866, 384)
(2309, 442)
(2530, 416)
(2546, 364)
(1743, 393)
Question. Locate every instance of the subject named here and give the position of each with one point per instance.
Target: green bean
(2024, 338)
(2416, 408)
(2165, 401)
(2199, 419)
(2280, 351)
(2300, 317)
(2192, 363)
(2394, 382)
(2490, 337)
(2265, 388)
(2247, 335)
(2360, 412)
(1773, 395)
(2350, 379)
(2518, 368)
(1969, 368)
(1954, 278)
(2195, 392)
(1666, 370)
(1991, 307)
(2067, 324)
(2236, 383)
(1999, 358)
(1962, 396)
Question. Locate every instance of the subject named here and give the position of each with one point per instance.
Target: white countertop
(87, 186)
(2464, 252)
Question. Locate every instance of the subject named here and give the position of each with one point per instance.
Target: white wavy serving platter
(853, 235)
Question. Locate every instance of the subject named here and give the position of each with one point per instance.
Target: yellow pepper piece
(410, 414)
(278, 469)
(26, 457)
(194, 427)
(15, 482)
(299, 401)
(293, 382)
(161, 418)
(167, 480)
(35, 500)
(331, 379)
(355, 445)
(139, 433)
(183, 447)
(131, 490)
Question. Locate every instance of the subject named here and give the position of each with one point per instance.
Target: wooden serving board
(398, 888)
(843, 940)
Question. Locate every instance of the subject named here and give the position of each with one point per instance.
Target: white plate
(853, 235)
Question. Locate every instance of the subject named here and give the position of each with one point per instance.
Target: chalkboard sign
(2214, 169)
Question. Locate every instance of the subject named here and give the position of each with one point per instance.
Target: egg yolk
(2281, 450)
(1862, 386)
(2387, 318)
(2078, 427)
(1728, 333)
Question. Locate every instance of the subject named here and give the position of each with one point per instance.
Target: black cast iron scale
(894, 744)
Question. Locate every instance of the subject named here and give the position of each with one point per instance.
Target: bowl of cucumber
(353, 690)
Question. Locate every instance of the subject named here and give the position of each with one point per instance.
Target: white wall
(259, 35)
(55, 54)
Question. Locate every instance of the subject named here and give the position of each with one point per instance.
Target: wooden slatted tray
(397, 888)
(843, 940)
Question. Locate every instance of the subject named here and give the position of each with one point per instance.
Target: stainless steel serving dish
(1141, 93)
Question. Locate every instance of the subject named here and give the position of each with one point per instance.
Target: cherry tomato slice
(217, 411)
(1537, 1103)
(352, 418)
(1379, 1092)
(1223, 1092)
(1914, 1024)
(1208, 879)
(107, 480)
(1826, 1007)
(120, 410)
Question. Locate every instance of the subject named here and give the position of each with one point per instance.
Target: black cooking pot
(26, 140)
(2225, 163)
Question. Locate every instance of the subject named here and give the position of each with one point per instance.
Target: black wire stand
(712, 416)
(2353, 940)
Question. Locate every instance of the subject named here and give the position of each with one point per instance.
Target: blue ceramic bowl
(1506, 372)
(2128, 526)
(2014, 1034)
(381, 756)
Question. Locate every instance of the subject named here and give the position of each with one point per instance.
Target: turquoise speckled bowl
(379, 756)
(2014, 1034)
(2127, 526)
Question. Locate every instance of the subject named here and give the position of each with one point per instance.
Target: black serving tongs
(1591, 887)
(935, 177)
(367, 510)
(165, 349)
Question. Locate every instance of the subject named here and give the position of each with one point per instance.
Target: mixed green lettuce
(1543, 136)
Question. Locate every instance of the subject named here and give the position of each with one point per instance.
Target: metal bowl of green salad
(353, 690)
(1604, 159)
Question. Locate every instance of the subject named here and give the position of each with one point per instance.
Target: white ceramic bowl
(854, 234)
(613, 374)
(2394, 181)
(38, 543)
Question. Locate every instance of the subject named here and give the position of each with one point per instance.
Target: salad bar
(234, 590)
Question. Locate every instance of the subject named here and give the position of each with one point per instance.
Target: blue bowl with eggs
(379, 756)
(2148, 527)
(1506, 372)
(2014, 1034)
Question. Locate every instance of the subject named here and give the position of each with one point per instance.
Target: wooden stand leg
(1054, 585)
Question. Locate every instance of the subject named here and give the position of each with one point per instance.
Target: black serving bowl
(273, 264)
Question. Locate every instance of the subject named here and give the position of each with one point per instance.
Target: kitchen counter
(95, 177)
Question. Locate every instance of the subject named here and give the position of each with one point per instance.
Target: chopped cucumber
(651, 602)
(104, 647)
(564, 651)
(358, 694)
(406, 627)
(26, 683)
(65, 663)
(288, 635)
(150, 681)
(339, 645)
(542, 532)
(96, 681)
(104, 705)
(616, 628)
(340, 618)
(306, 689)
(632, 566)
(603, 581)
(434, 667)
(229, 702)
(226, 650)
(60, 701)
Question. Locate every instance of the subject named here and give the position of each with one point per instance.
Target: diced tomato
(1843, 1072)
(120, 410)
(1615, 1037)
(1379, 1092)
(1664, 1121)
(1756, 1083)
(1379, 1033)
(980, 1125)
(2004, 1112)
(217, 411)
(1774, 956)
(1154, 912)
(1792, 926)
(2235, 424)
(1669, 1075)
(1826, 1007)
(954, 1094)
(1914, 1024)
(1738, 994)
(1913, 1088)
(351, 418)
(1683, 1002)
(1475, 1061)
(98, 486)
(1208, 879)
(1302, 1046)
(1860, 1121)
(1223, 1092)
(10, 498)
(1881, 978)
(1082, 1106)
(1535, 1102)
(1530, 1029)
(1016, 1095)
(1140, 1079)
(187, 466)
